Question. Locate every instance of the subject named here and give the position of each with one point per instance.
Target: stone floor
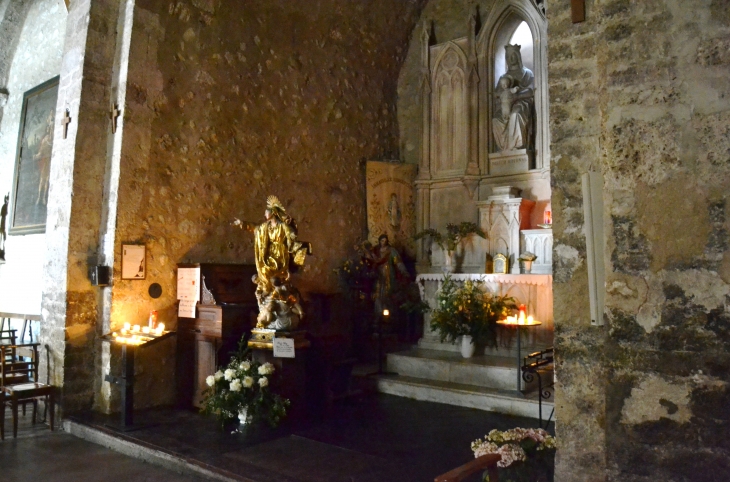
(372, 439)
(39, 454)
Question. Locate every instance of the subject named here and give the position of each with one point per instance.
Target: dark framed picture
(33, 159)
(134, 261)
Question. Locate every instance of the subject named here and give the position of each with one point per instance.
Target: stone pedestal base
(509, 162)
(263, 338)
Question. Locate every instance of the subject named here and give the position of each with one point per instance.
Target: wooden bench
(485, 462)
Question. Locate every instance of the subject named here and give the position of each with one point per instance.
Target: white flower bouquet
(241, 391)
(527, 454)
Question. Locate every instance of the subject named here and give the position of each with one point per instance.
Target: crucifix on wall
(113, 115)
(65, 121)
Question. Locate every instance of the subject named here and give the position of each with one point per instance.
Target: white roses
(248, 382)
(210, 380)
(263, 382)
(229, 374)
(245, 365)
(236, 385)
(266, 369)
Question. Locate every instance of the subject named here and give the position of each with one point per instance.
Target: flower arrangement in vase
(241, 391)
(449, 240)
(468, 310)
(527, 454)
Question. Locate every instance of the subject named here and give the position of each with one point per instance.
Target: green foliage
(469, 310)
(243, 388)
(453, 235)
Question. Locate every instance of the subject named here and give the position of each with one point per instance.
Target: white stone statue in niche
(514, 99)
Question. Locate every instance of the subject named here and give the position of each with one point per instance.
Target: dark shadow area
(371, 438)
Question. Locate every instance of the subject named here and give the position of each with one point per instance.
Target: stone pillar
(71, 307)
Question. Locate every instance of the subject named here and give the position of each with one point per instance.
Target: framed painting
(33, 159)
(134, 265)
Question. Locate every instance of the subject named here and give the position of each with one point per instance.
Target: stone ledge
(488, 399)
(116, 441)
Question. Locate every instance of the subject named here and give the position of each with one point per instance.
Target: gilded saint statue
(277, 251)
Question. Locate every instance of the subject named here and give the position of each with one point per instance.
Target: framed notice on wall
(134, 261)
(33, 159)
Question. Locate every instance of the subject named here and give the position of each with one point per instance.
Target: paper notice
(283, 348)
(188, 291)
(188, 284)
(186, 309)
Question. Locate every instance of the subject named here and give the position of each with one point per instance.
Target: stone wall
(30, 53)
(228, 103)
(640, 92)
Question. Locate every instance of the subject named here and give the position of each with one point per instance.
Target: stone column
(71, 307)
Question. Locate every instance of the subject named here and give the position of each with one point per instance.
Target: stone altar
(533, 290)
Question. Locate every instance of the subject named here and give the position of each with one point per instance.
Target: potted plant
(470, 312)
(528, 455)
(526, 260)
(242, 391)
(450, 240)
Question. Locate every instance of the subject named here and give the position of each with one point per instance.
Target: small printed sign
(283, 348)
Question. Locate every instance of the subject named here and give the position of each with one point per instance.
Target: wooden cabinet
(205, 344)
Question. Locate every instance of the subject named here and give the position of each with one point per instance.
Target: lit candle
(160, 329)
(548, 217)
(530, 320)
(386, 313)
(146, 330)
(521, 319)
(127, 327)
(135, 329)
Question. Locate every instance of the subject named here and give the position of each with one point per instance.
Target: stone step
(482, 371)
(509, 402)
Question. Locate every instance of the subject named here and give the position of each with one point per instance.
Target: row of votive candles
(520, 320)
(136, 329)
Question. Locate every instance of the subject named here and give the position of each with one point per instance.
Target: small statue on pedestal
(277, 250)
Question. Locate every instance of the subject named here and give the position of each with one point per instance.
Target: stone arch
(495, 32)
(13, 15)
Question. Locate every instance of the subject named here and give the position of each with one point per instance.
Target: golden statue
(275, 249)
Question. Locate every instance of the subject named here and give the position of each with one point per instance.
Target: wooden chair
(488, 462)
(19, 383)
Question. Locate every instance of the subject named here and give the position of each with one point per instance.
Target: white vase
(467, 346)
(243, 417)
(448, 262)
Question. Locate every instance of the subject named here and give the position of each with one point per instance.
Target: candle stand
(130, 341)
(519, 355)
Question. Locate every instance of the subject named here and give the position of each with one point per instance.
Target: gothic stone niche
(390, 204)
(450, 109)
